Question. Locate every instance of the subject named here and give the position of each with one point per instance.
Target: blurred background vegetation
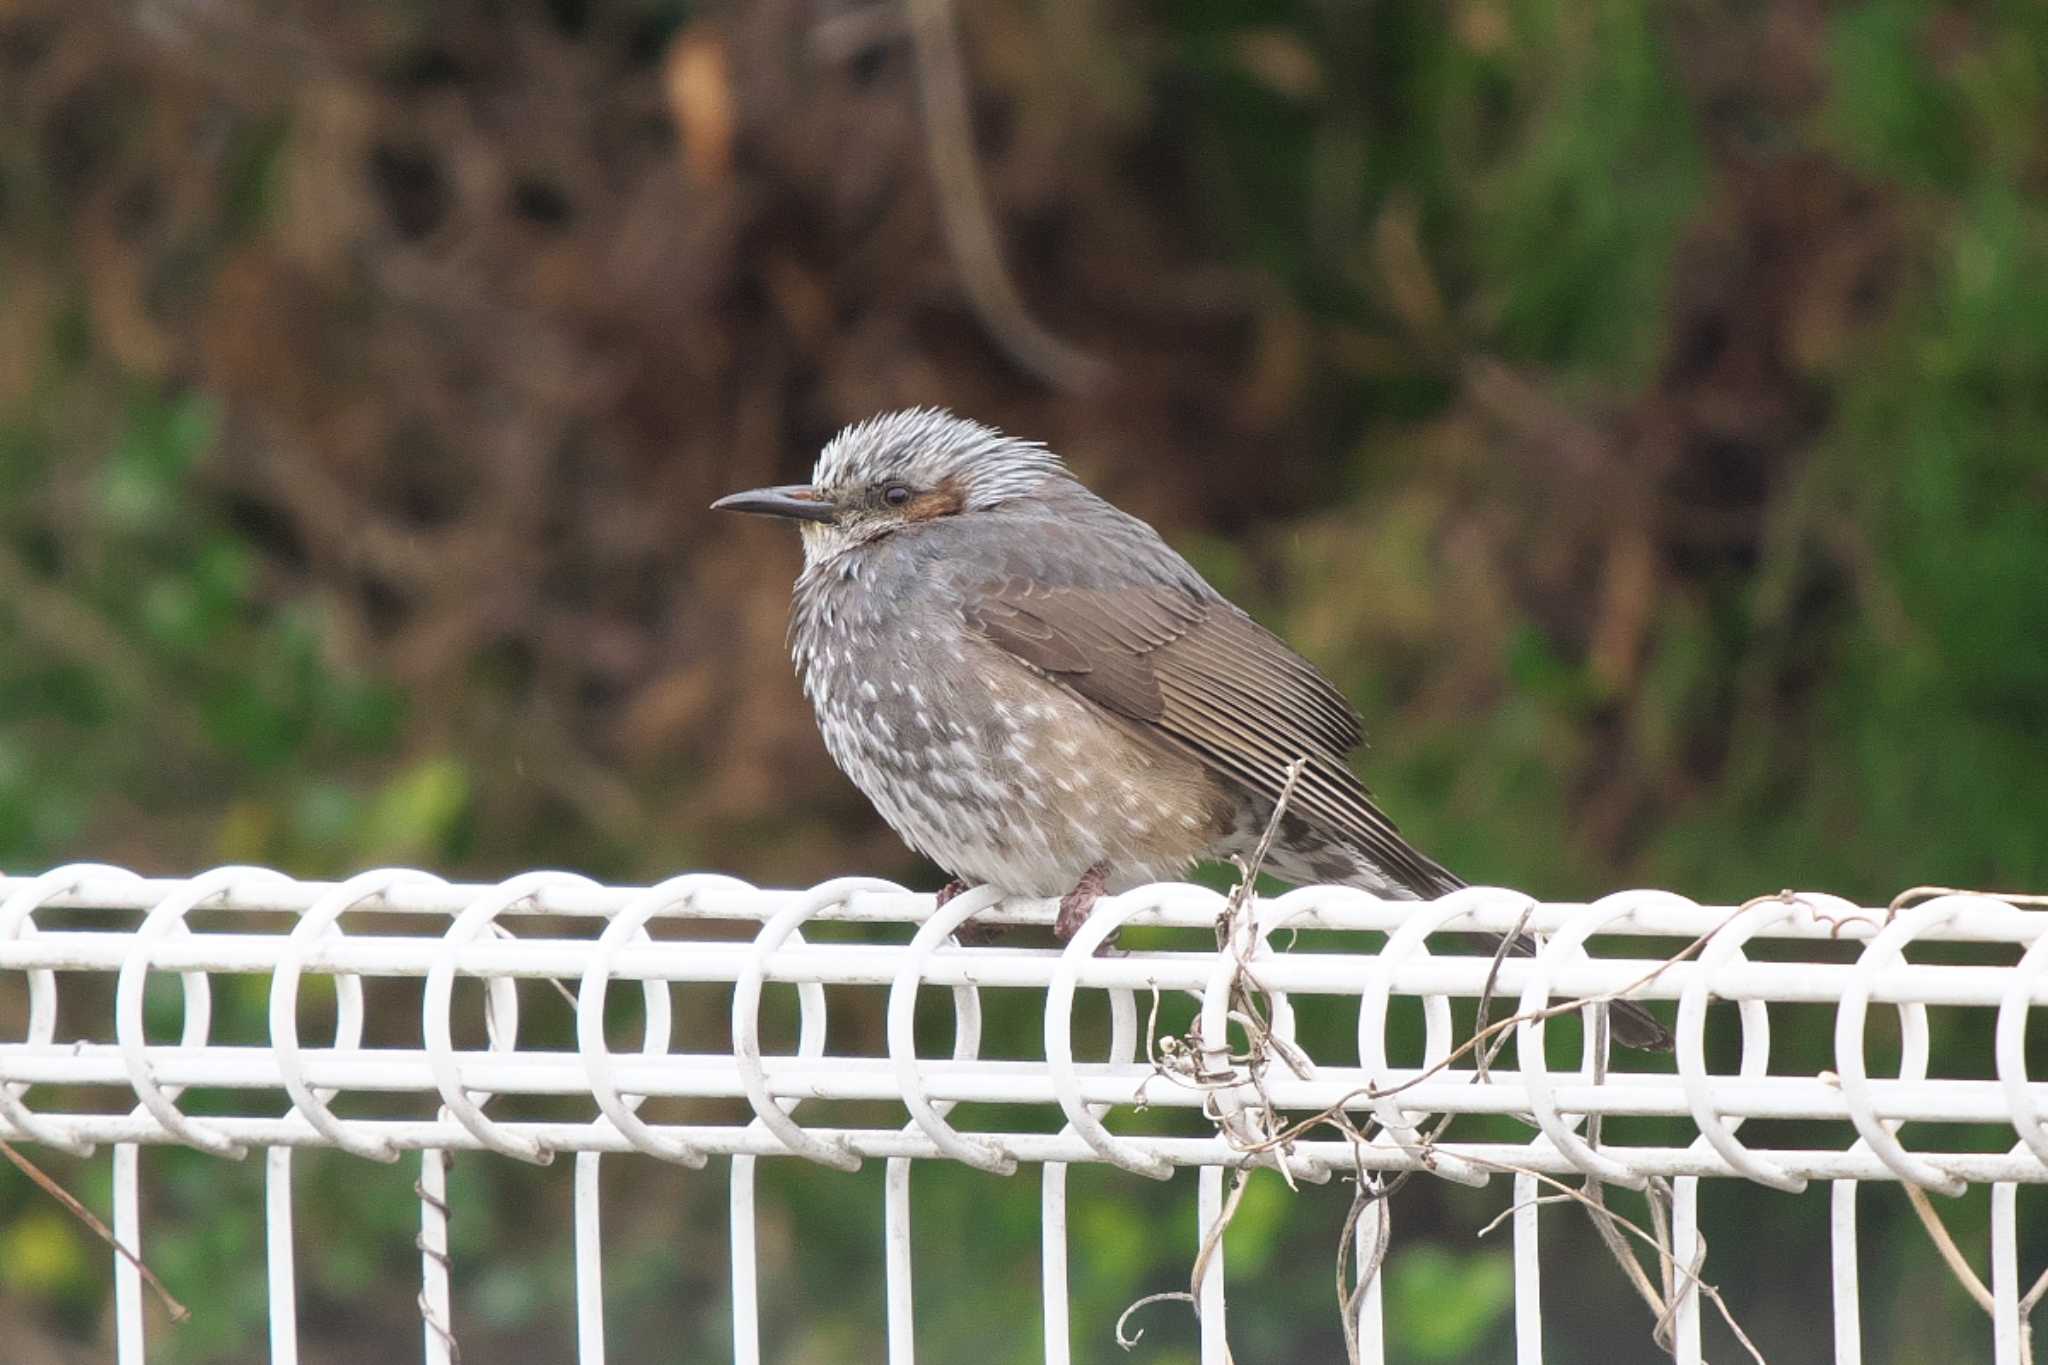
(1639, 408)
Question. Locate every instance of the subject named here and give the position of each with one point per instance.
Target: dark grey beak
(797, 501)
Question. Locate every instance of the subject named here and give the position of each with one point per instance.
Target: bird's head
(900, 471)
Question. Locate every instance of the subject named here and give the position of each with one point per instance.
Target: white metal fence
(711, 931)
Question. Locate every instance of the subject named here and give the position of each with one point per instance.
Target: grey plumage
(1037, 692)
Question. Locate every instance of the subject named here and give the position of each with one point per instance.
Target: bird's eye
(896, 494)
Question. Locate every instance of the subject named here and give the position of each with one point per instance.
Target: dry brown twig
(963, 207)
(1168, 1296)
(1188, 1061)
(1565, 1007)
(178, 1311)
(1913, 895)
(1923, 1208)
(1372, 1194)
(1482, 1021)
(1966, 1276)
(1604, 1216)
(561, 987)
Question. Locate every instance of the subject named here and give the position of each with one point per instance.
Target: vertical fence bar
(896, 1260)
(1367, 1237)
(436, 1311)
(1528, 1274)
(1209, 1296)
(746, 1307)
(284, 1296)
(589, 1262)
(1848, 1312)
(1052, 1221)
(2005, 1274)
(128, 1347)
(1685, 1250)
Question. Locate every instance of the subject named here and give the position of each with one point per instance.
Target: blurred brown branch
(963, 207)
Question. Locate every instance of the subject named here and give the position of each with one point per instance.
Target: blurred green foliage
(146, 661)
(1441, 1305)
(1849, 690)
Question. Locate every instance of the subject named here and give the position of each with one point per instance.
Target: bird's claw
(971, 932)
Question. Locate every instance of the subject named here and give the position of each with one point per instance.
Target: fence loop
(1715, 1130)
(17, 920)
(501, 1010)
(168, 918)
(2011, 1041)
(1108, 916)
(322, 920)
(771, 1113)
(926, 1115)
(1406, 944)
(629, 925)
(1567, 944)
(1883, 951)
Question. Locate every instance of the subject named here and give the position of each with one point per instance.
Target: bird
(1038, 693)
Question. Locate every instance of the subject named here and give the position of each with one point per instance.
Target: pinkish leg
(1075, 905)
(948, 891)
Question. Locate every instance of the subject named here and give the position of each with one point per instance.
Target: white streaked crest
(925, 445)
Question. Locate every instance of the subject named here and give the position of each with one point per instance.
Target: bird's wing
(1209, 678)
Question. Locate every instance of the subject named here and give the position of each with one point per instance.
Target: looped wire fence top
(727, 997)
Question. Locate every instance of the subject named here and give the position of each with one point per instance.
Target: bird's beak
(797, 501)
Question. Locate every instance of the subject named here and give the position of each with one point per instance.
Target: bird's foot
(971, 933)
(1076, 904)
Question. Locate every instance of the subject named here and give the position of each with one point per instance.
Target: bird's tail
(1633, 1025)
(1424, 878)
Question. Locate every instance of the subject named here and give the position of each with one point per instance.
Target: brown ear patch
(941, 501)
